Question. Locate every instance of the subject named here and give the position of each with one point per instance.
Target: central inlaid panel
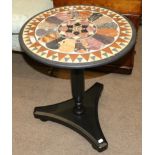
(77, 29)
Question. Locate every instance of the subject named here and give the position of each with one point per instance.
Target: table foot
(86, 124)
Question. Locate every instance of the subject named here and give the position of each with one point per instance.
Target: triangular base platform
(86, 124)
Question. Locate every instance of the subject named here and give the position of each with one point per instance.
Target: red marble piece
(73, 56)
(124, 29)
(86, 56)
(94, 44)
(98, 54)
(121, 40)
(107, 32)
(50, 53)
(61, 56)
(108, 50)
(115, 45)
(35, 44)
(84, 14)
(41, 49)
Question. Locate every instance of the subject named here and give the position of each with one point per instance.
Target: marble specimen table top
(77, 36)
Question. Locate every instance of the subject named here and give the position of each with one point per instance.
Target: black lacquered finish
(77, 83)
(79, 113)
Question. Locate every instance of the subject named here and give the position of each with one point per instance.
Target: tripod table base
(86, 124)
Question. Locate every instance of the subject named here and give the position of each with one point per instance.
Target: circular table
(78, 37)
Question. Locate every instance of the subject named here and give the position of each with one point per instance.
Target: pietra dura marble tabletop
(78, 37)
